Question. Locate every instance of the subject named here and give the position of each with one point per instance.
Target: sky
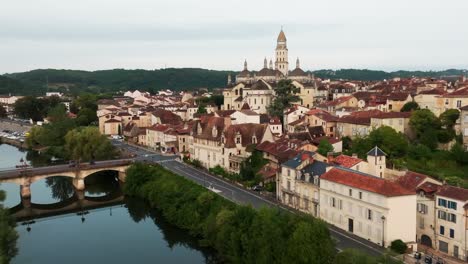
(221, 34)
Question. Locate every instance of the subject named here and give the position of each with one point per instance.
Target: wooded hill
(37, 82)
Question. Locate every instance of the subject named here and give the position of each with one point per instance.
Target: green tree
(310, 243)
(86, 117)
(285, 96)
(8, 234)
(3, 112)
(410, 106)
(324, 147)
(426, 126)
(88, 144)
(398, 246)
(449, 118)
(394, 144)
(57, 113)
(201, 109)
(250, 167)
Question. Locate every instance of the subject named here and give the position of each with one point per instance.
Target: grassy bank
(239, 234)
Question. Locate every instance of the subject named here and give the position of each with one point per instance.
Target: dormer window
(214, 132)
(238, 138)
(199, 129)
(254, 139)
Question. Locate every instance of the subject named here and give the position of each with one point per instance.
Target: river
(126, 232)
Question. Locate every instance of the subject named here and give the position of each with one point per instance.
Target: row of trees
(239, 234)
(8, 234)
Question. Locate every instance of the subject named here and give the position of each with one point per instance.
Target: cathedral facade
(256, 88)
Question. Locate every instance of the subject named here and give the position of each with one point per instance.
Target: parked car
(257, 188)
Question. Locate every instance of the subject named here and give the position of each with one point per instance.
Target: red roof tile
(346, 161)
(365, 182)
(453, 192)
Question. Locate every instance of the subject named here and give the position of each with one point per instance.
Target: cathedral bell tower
(281, 62)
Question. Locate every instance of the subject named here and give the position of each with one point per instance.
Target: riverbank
(13, 142)
(239, 234)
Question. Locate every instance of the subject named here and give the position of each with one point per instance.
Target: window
(360, 195)
(459, 103)
(441, 230)
(289, 172)
(350, 192)
(422, 208)
(452, 205)
(369, 214)
(421, 222)
(446, 101)
(452, 233)
(442, 202)
(340, 204)
(332, 201)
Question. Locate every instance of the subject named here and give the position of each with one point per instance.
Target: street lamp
(383, 230)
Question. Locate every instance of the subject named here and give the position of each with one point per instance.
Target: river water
(124, 232)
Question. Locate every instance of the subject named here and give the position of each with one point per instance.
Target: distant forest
(38, 82)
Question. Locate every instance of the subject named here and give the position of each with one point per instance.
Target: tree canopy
(87, 143)
(324, 147)
(409, 106)
(285, 96)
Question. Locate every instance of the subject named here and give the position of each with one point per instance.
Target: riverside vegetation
(239, 234)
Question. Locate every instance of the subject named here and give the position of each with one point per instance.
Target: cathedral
(256, 88)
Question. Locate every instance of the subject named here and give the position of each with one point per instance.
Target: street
(238, 194)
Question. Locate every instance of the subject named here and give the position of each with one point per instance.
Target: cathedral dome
(297, 72)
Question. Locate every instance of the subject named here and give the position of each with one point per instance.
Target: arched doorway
(426, 241)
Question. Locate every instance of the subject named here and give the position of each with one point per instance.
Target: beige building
(372, 208)
(396, 120)
(464, 125)
(428, 99)
(451, 226)
(453, 100)
(318, 117)
(298, 182)
(396, 101)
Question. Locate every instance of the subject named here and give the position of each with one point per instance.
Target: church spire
(245, 65)
(297, 63)
(271, 64)
(265, 63)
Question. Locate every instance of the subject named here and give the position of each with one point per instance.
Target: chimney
(330, 157)
(355, 155)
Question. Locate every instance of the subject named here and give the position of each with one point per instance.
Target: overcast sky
(220, 34)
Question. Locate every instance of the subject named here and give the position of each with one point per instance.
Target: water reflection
(140, 210)
(61, 187)
(113, 230)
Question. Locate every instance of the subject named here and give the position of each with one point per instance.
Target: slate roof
(376, 151)
(298, 159)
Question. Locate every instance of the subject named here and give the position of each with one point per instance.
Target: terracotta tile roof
(207, 123)
(167, 117)
(246, 131)
(267, 172)
(428, 187)
(346, 161)
(461, 92)
(280, 150)
(398, 96)
(411, 180)
(326, 116)
(464, 108)
(365, 182)
(436, 91)
(224, 113)
(386, 115)
(331, 140)
(453, 192)
(339, 101)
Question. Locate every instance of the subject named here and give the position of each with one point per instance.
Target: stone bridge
(77, 203)
(26, 176)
